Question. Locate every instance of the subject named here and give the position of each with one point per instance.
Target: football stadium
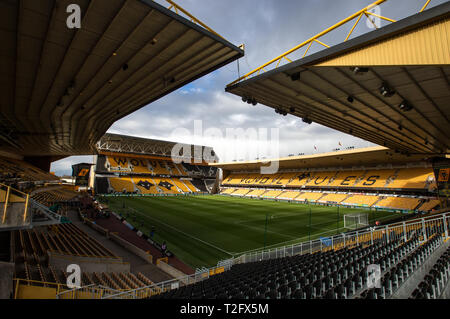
(155, 219)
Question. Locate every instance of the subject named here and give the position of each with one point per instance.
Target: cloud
(64, 166)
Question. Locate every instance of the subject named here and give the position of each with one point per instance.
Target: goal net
(356, 220)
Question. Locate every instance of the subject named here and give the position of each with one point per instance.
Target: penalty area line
(182, 232)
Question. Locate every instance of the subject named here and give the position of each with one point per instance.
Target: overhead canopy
(370, 156)
(115, 143)
(61, 88)
(409, 58)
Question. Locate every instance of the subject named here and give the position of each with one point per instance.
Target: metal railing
(357, 15)
(161, 287)
(19, 282)
(87, 292)
(424, 226)
(7, 200)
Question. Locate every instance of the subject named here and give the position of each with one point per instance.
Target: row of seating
(52, 196)
(380, 201)
(151, 185)
(149, 166)
(48, 275)
(331, 274)
(436, 280)
(395, 273)
(409, 178)
(33, 245)
(19, 170)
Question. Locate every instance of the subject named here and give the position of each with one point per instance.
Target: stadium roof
(115, 143)
(369, 156)
(61, 88)
(409, 57)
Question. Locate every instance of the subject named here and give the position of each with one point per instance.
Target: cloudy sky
(202, 113)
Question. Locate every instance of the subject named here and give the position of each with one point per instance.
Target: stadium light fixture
(307, 120)
(295, 76)
(386, 90)
(405, 106)
(359, 70)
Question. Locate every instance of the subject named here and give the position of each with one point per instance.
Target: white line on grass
(186, 234)
(262, 229)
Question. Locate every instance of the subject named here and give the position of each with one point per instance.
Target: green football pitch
(201, 230)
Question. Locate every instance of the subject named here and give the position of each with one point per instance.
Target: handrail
(176, 7)
(309, 42)
(25, 196)
(374, 230)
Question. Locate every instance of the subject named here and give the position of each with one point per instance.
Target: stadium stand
(326, 269)
(52, 196)
(339, 273)
(18, 170)
(383, 178)
(298, 186)
(429, 205)
(121, 184)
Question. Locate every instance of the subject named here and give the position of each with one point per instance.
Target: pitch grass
(201, 230)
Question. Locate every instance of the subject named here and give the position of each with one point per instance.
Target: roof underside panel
(61, 88)
(401, 57)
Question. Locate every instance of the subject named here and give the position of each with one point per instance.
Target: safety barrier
(423, 226)
(12, 195)
(155, 289)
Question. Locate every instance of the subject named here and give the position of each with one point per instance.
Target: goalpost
(356, 220)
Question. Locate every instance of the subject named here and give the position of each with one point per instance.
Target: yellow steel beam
(6, 204)
(425, 6)
(177, 7)
(327, 46)
(354, 26)
(26, 208)
(378, 2)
